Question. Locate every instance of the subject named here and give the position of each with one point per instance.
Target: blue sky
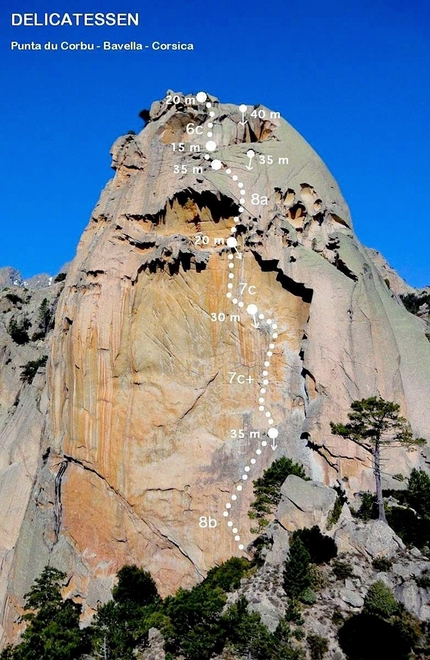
(352, 77)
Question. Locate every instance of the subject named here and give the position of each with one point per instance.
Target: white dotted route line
(251, 309)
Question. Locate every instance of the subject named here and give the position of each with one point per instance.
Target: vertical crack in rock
(58, 507)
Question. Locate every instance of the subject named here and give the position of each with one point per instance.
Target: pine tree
(297, 577)
(53, 631)
(375, 424)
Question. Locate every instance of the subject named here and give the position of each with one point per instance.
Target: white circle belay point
(216, 164)
(252, 309)
(250, 153)
(273, 433)
(231, 242)
(243, 107)
(201, 97)
(211, 145)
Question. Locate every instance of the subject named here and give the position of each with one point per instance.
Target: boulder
(304, 504)
(371, 539)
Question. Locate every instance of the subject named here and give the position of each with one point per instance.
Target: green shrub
(308, 597)
(30, 369)
(319, 579)
(135, 586)
(318, 646)
(267, 489)
(228, 575)
(336, 511)
(342, 569)
(60, 277)
(382, 564)
(320, 547)
(45, 316)
(380, 601)
(368, 637)
(369, 508)
(412, 529)
(18, 331)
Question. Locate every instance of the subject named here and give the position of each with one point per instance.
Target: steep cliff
(218, 314)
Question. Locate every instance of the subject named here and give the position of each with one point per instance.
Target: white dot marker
(274, 326)
(229, 285)
(228, 294)
(271, 346)
(216, 164)
(230, 256)
(234, 301)
(267, 414)
(265, 382)
(241, 547)
(211, 114)
(241, 304)
(243, 107)
(235, 530)
(275, 335)
(261, 408)
(261, 400)
(269, 353)
(234, 497)
(252, 309)
(244, 477)
(253, 461)
(242, 200)
(258, 452)
(211, 145)
(270, 421)
(208, 104)
(231, 242)
(269, 321)
(263, 390)
(250, 153)
(228, 505)
(231, 275)
(210, 125)
(264, 443)
(261, 316)
(240, 185)
(210, 134)
(225, 514)
(201, 97)
(228, 171)
(273, 433)
(235, 177)
(237, 538)
(230, 524)
(207, 156)
(239, 487)
(241, 209)
(247, 469)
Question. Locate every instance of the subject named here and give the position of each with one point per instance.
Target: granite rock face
(133, 445)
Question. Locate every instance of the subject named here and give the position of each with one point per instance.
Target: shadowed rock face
(136, 443)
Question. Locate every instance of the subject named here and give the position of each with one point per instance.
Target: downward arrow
(273, 444)
(255, 324)
(239, 255)
(243, 122)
